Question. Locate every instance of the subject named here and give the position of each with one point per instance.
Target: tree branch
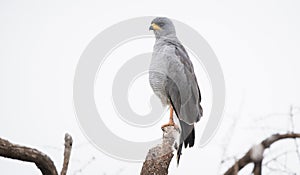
(257, 168)
(158, 158)
(255, 154)
(41, 160)
(67, 153)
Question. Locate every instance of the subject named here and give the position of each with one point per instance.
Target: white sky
(257, 44)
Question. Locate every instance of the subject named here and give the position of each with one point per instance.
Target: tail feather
(179, 153)
(190, 140)
(186, 138)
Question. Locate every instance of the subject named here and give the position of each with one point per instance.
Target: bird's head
(162, 27)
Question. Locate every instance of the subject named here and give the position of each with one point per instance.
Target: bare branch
(293, 128)
(250, 157)
(236, 168)
(41, 160)
(67, 153)
(257, 168)
(158, 158)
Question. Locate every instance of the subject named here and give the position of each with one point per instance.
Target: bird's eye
(160, 24)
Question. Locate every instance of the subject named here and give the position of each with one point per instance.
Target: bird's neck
(167, 37)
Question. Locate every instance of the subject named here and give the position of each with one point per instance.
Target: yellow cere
(155, 26)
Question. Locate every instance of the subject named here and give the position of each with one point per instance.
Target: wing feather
(182, 86)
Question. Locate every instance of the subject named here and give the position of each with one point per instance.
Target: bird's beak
(154, 27)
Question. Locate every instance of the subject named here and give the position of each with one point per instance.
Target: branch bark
(41, 160)
(159, 157)
(255, 154)
(67, 153)
(257, 168)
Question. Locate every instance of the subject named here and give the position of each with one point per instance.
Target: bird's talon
(170, 124)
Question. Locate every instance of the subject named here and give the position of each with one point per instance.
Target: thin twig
(67, 153)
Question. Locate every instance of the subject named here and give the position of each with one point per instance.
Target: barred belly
(157, 82)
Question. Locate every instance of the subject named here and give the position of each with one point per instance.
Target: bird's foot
(170, 124)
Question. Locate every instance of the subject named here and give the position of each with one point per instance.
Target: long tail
(187, 137)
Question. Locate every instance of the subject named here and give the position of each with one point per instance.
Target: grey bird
(172, 78)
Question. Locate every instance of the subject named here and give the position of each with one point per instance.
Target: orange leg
(171, 121)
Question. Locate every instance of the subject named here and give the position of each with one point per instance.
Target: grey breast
(158, 71)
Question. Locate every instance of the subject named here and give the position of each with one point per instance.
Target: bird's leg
(171, 121)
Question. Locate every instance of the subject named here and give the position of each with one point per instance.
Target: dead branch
(41, 160)
(257, 168)
(158, 158)
(255, 154)
(67, 153)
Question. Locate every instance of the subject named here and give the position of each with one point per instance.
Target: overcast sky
(256, 42)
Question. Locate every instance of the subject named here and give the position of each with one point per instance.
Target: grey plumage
(172, 78)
